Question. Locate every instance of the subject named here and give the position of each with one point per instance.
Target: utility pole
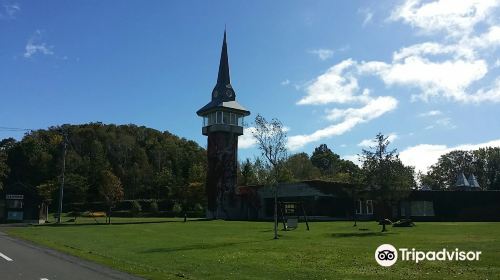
(61, 189)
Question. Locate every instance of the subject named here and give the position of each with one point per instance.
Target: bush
(199, 208)
(136, 208)
(153, 207)
(177, 209)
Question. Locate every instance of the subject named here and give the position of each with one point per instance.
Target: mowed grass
(172, 249)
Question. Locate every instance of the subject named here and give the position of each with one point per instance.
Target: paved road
(20, 260)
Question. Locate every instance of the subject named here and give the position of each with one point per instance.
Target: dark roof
(219, 104)
(331, 187)
(223, 76)
(21, 188)
(223, 95)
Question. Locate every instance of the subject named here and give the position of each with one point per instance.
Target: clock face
(229, 93)
(215, 94)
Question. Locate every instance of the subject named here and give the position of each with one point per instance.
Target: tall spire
(223, 77)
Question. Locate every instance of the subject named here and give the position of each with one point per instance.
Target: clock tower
(222, 123)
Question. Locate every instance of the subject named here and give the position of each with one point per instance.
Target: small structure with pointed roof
(461, 181)
(473, 183)
(464, 184)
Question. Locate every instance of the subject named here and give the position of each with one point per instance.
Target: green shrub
(136, 208)
(199, 208)
(153, 207)
(177, 209)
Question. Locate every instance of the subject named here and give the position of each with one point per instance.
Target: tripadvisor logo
(387, 255)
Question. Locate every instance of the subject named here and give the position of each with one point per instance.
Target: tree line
(323, 164)
(483, 163)
(104, 161)
(148, 164)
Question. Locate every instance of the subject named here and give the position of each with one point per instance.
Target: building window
(359, 207)
(211, 119)
(290, 208)
(233, 119)
(369, 207)
(219, 117)
(422, 208)
(225, 117)
(14, 203)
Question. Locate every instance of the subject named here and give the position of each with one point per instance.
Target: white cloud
(285, 82)
(354, 159)
(9, 10)
(433, 48)
(433, 78)
(446, 123)
(337, 85)
(491, 93)
(431, 113)
(422, 156)
(322, 54)
(367, 15)
(247, 140)
(350, 117)
(486, 40)
(455, 18)
(367, 143)
(32, 49)
(428, 66)
(34, 46)
(497, 63)
(451, 67)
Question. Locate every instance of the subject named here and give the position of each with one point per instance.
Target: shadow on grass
(360, 234)
(203, 246)
(119, 223)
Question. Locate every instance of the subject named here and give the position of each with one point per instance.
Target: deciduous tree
(110, 188)
(271, 140)
(385, 174)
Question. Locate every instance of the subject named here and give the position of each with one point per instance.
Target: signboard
(14, 196)
(15, 215)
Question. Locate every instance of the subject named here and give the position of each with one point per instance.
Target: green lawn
(171, 249)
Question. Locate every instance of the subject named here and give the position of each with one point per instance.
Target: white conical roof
(462, 181)
(473, 181)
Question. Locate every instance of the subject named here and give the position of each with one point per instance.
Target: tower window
(211, 118)
(233, 119)
(225, 117)
(219, 117)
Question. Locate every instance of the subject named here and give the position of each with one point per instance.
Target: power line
(5, 128)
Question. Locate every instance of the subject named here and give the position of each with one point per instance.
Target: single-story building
(21, 204)
(323, 200)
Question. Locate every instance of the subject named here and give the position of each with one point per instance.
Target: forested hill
(149, 163)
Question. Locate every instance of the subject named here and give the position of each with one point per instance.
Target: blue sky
(334, 72)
